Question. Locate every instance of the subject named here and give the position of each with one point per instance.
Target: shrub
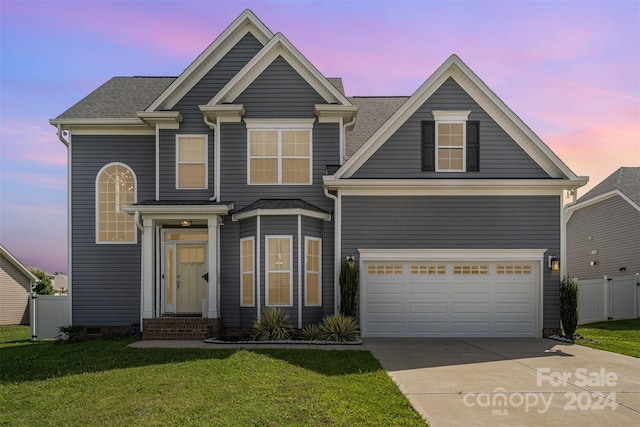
(43, 285)
(349, 279)
(310, 333)
(339, 328)
(273, 325)
(569, 305)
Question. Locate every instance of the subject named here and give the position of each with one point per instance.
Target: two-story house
(197, 201)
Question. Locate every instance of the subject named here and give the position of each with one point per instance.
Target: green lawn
(104, 382)
(621, 336)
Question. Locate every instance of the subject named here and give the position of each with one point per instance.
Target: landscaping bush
(339, 328)
(349, 279)
(273, 325)
(310, 333)
(569, 306)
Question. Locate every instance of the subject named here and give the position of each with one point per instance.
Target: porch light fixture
(185, 223)
(554, 263)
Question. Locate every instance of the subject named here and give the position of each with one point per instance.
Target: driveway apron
(512, 382)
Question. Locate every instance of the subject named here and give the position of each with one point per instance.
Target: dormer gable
(246, 23)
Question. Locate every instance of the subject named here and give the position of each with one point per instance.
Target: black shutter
(428, 146)
(473, 146)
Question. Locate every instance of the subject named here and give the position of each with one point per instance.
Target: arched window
(115, 188)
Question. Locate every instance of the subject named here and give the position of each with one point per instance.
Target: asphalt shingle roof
(119, 98)
(280, 204)
(625, 179)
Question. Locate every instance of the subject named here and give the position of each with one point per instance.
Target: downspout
(67, 143)
(343, 138)
(216, 154)
(337, 242)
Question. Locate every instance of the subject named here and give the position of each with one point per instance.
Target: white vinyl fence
(50, 312)
(609, 298)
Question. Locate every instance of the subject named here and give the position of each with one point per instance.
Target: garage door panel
(428, 288)
(428, 307)
(476, 300)
(385, 307)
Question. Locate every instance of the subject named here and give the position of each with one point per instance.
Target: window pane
(264, 171)
(247, 289)
(313, 285)
(279, 287)
(295, 171)
(295, 143)
(192, 149)
(313, 255)
(456, 128)
(279, 254)
(191, 176)
(247, 255)
(264, 143)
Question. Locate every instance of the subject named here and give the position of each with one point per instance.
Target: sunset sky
(570, 70)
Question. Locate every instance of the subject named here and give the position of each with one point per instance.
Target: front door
(190, 284)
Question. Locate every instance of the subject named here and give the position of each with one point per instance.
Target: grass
(104, 382)
(620, 336)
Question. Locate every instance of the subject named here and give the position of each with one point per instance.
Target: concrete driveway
(512, 382)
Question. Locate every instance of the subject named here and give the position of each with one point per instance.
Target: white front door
(191, 287)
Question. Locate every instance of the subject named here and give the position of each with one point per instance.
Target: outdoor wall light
(554, 263)
(185, 223)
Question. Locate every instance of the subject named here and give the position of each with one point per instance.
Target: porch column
(212, 262)
(147, 269)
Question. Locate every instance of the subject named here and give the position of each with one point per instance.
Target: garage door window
(428, 269)
(513, 269)
(385, 269)
(470, 269)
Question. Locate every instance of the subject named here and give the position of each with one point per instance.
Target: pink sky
(570, 70)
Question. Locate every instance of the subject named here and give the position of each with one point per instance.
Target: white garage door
(450, 298)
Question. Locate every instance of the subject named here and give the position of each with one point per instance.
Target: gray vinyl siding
(14, 294)
(400, 156)
(612, 227)
(106, 277)
(193, 122)
(279, 92)
(480, 222)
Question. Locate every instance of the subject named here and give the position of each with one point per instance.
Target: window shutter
(428, 146)
(473, 146)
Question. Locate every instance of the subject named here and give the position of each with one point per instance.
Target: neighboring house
(603, 228)
(60, 283)
(16, 282)
(197, 201)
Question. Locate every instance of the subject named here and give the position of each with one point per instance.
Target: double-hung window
(450, 143)
(313, 282)
(191, 161)
(247, 271)
(279, 153)
(279, 280)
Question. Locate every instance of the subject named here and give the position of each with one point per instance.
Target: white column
(212, 263)
(147, 269)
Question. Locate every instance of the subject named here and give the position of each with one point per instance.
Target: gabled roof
(247, 22)
(626, 180)
(278, 46)
(455, 68)
(624, 183)
(4, 252)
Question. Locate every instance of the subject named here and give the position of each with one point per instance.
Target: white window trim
(253, 271)
(451, 117)
(306, 254)
(280, 125)
(267, 271)
(97, 205)
(206, 160)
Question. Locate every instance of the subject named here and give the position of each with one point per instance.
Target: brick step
(180, 328)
